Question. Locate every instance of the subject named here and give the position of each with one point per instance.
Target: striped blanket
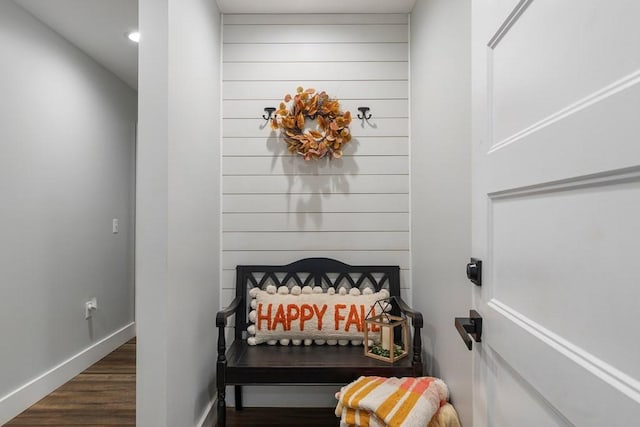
(390, 402)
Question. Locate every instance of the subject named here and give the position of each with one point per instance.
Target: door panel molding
(612, 177)
(556, 151)
(607, 392)
(593, 98)
(508, 386)
(509, 22)
(557, 259)
(620, 381)
(564, 53)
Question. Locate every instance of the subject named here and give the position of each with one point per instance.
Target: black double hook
(364, 115)
(269, 111)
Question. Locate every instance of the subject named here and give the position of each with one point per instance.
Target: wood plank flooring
(105, 395)
(290, 417)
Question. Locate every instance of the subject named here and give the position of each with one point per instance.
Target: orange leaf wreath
(332, 129)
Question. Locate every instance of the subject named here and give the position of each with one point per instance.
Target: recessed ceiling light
(134, 36)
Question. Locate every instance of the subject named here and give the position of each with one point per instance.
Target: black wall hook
(364, 115)
(269, 111)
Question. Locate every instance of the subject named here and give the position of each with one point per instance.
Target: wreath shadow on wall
(316, 134)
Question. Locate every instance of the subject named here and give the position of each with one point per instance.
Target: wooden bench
(243, 364)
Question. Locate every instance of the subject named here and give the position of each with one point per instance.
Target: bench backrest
(323, 272)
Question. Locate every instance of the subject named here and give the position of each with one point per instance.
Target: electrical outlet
(89, 307)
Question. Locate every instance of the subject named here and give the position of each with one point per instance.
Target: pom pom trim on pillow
(308, 315)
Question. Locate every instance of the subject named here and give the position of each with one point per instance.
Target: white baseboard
(23, 397)
(209, 415)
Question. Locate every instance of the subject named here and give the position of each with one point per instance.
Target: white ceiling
(316, 6)
(98, 27)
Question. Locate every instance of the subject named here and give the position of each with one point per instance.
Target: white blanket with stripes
(392, 402)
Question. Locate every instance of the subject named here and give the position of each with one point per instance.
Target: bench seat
(329, 364)
(240, 364)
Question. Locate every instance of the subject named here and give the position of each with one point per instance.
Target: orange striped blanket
(390, 402)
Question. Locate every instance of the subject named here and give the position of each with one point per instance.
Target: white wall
(67, 136)
(277, 208)
(440, 186)
(178, 205)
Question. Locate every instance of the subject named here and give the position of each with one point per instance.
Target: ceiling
(316, 6)
(99, 27)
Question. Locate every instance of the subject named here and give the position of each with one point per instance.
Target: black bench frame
(241, 364)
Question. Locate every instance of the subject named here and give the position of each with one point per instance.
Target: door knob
(469, 327)
(474, 271)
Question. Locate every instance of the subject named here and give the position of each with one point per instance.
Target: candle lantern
(386, 336)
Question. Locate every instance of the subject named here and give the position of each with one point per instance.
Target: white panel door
(556, 211)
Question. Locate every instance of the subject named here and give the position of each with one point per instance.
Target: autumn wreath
(327, 136)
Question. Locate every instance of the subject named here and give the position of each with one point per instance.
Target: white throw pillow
(307, 315)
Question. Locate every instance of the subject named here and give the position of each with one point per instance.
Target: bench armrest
(416, 321)
(221, 323)
(416, 316)
(221, 317)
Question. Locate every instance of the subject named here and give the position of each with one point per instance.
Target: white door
(556, 211)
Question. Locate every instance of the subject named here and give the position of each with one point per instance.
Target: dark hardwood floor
(298, 417)
(105, 395)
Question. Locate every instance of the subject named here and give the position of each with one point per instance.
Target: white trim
(586, 102)
(612, 177)
(508, 23)
(617, 379)
(209, 415)
(409, 295)
(26, 395)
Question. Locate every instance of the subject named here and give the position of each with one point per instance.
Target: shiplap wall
(277, 208)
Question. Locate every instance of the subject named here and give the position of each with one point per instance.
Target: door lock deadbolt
(474, 271)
